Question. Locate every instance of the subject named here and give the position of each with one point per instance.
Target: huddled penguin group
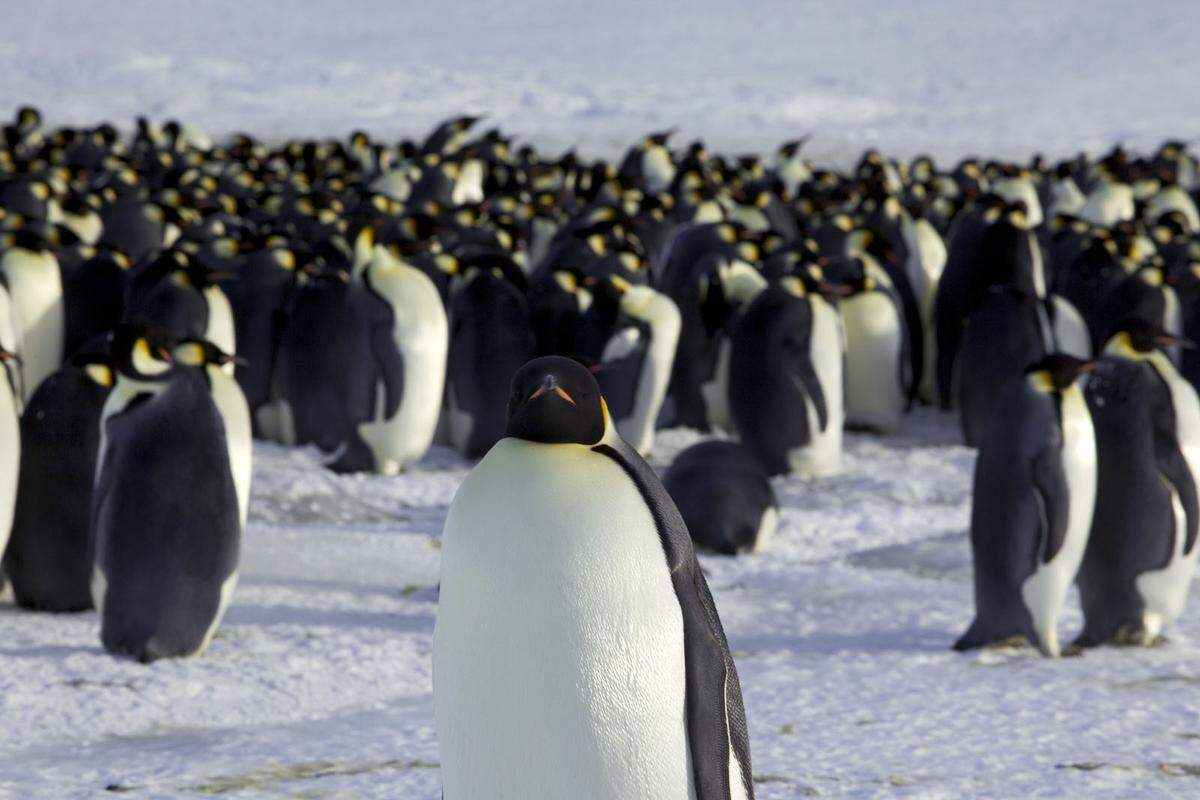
(164, 300)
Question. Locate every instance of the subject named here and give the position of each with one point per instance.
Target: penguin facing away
(49, 558)
(561, 542)
(1142, 552)
(1034, 491)
(162, 577)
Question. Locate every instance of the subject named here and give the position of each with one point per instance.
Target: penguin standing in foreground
(1142, 551)
(636, 363)
(578, 653)
(49, 558)
(165, 510)
(1034, 491)
(725, 497)
(422, 337)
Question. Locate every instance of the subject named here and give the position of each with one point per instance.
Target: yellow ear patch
(1041, 381)
(100, 374)
(285, 259)
(794, 286)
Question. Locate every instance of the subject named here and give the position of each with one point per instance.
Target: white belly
(638, 428)
(875, 395)
(558, 653)
(1046, 590)
(10, 456)
(35, 287)
(823, 455)
(220, 329)
(1165, 591)
(231, 403)
(1070, 330)
(422, 335)
(716, 391)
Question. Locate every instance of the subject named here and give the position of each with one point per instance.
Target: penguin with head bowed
(1142, 552)
(31, 274)
(490, 338)
(1034, 491)
(560, 542)
(635, 366)
(94, 298)
(785, 379)
(49, 557)
(337, 350)
(401, 428)
(165, 510)
(725, 497)
(259, 297)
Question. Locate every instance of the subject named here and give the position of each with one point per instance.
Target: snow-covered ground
(319, 682)
(946, 76)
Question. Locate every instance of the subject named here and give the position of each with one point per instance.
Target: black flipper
(390, 362)
(807, 375)
(713, 727)
(1174, 466)
(1050, 489)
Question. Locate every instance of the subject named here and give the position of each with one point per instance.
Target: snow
(319, 683)
(945, 76)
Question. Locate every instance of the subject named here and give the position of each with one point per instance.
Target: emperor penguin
(1109, 203)
(1142, 553)
(49, 557)
(10, 442)
(650, 162)
(739, 283)
(785, 380)
(926, 261)
(578, 652)
(422, 337)
(165, 509)
(635, 366)
(878, 377)
(725, 497)
(1033, 495)
(212, 362)
(31, 273)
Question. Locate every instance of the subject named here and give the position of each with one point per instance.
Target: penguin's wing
(389, 360)
(620, 368)
(1051, 491)
(716, 719)
(1175, 471)
(806, 375)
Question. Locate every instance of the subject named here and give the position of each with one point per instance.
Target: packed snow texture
(950, 77)
(319, 683)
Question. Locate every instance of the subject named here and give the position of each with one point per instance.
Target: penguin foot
(1074, 650)
(1011, 643)
(1131, 634)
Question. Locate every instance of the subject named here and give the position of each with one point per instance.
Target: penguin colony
(164, 299)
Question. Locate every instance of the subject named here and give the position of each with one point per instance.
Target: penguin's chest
(558, 656)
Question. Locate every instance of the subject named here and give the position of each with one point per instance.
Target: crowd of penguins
(164, 299)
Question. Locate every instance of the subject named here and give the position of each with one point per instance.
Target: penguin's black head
(1057, 371)
(556, 401)
(141, 351)
(1136, 338)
